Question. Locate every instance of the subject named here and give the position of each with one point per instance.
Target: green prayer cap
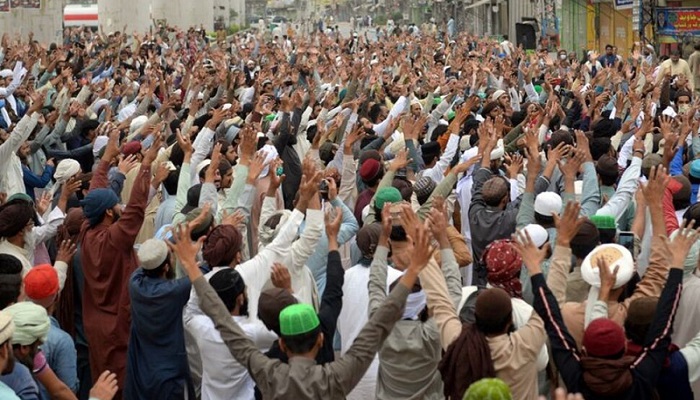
(488, 388)
(603, 221)
(342, 94)
(538, 88)
(387, 194)
(20, 196)
(437, 100)
(270, 117)
(450, 115)
(298, 319)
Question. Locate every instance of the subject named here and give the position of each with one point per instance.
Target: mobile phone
(626, 239)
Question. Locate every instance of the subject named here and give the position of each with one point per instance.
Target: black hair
(607, 235)
(544, 220)
(398, 234)
(177, 156)
(10, 280)
(302, 343)
(224, 167)
(170, 182)
(493, 327)
(374, 112)
(437, 132)
(607, 180)
(374, 181)
(581, 250)
(158, 271)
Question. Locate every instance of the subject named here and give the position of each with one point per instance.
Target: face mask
(683, 108)
(562, 57)
(29, 240)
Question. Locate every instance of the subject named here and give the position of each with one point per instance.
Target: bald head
(495, 190)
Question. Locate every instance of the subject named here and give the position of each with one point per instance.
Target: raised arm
(129, 225)
(332, 298)
(564, 349)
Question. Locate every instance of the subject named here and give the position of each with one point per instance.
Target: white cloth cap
(547, 203)
(615, 255)
(537, 233)
(669, 111)
(7, 327)
(137, 123)
(98, 104)
(417, 102)
(464, 143)
(152, 253)
(202, 164)
(5, 73)
(100, 142)
(270, 154)
(498, 93)
(126, 112)
(499, 151)
(66, 169)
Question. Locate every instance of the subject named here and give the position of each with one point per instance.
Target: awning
(477, 4)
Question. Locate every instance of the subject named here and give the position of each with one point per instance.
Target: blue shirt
(22, 382)
(156, 358)
(62, 357)
(317, 262)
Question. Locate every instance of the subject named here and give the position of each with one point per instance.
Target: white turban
(65, 169)
(270, 154)
(31, 323)
(615, 256)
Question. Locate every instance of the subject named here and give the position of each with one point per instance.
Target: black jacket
(645, 369)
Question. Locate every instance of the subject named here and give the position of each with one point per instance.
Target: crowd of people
(422, 215)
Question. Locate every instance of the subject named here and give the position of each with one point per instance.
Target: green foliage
(380, 20)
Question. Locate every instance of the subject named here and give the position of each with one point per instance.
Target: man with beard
(7, 359)
(222, 376)
(108, 258)
(157, 362)
(31, 330)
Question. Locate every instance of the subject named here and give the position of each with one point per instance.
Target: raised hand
(400, 161)
(464, 167)
(655, 187)
(568, 223)
(112, 147)
(186, 250)
(257, 165)
(213, 168)
(280, 277)
(680, 245)
(44, 203)
(333, 218)
(127, 163)
(185, 143)
(152, 151)
(531, 255)
(66, 251)
(514, 164)
(607, 278)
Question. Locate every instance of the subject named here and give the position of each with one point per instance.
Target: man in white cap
(11, 81)
(577, 314)
(156, 361)
(7, 358)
